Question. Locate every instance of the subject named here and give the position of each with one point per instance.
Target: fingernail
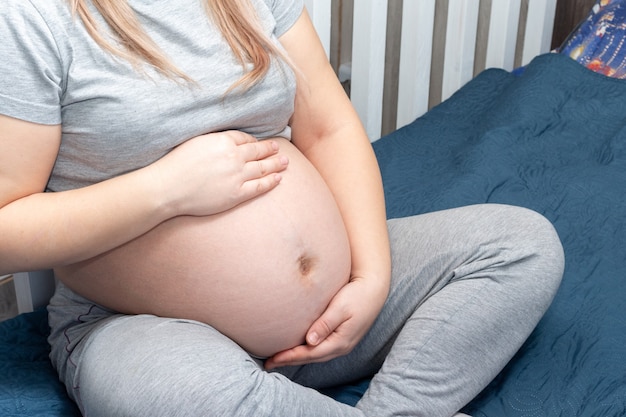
(284, 160)
(313, 338)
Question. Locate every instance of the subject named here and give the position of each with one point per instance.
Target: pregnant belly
(260, 273)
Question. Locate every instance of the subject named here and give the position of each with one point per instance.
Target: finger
(331, 348)
(258, 169)
(326, 324)
(256, 187)
(294, 356)
(259, 150)
(240, 137)
(299, 355)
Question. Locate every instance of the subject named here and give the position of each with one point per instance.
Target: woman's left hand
(347, 318)
(327, 130)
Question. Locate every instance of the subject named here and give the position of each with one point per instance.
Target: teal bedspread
(553, 140)
(29, 386)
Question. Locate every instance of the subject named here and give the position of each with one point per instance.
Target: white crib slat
(23, 293)
(503, 26)
(320, 12)
(33, 289)
(539, 25)
(416, 46)
(460, 45)
(368, 63)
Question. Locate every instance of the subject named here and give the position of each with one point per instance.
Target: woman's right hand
(215, 172)
(205, 175)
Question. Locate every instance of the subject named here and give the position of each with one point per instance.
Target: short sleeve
(30, 64)
(285, 12)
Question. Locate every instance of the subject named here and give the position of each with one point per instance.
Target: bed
(549, 135)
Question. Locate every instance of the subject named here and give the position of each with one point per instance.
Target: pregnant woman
(199, 182)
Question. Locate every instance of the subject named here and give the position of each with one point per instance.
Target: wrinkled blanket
(552, 140)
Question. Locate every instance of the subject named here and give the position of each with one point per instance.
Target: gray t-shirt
(116, 119)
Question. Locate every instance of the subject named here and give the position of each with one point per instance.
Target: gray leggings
(468, 287)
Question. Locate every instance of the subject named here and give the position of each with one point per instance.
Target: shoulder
(33, 21)
(33, 45)
(35, 12)
(285, 12)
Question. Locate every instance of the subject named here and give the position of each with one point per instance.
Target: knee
(537, 242)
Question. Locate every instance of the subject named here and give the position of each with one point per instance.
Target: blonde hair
(235, 19)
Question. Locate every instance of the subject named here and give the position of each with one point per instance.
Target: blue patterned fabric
(29, 386)
(553, 140)
(598, 42)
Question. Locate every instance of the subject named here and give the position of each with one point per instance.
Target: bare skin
(261, 272)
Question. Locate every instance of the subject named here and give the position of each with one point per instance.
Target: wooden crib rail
(409, 55)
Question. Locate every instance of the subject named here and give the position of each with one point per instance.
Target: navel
(306, 264)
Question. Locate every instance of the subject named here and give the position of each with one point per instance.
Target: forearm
(347, 162)
(328, 132)
(44, 230)
(326, 128)
(205, 175)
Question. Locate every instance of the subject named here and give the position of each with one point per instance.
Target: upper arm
(322, 106)
(27, 154)
(30, 89)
